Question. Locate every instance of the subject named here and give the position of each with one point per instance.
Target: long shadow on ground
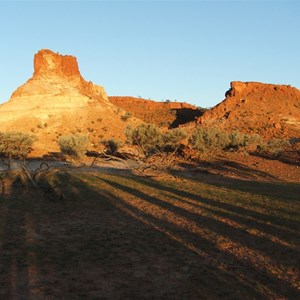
(124, 237)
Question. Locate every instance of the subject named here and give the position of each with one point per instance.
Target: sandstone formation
(267, 109)
(162, 114)
(56, 84)
(57, 100)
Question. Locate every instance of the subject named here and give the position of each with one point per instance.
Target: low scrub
(15, 145)
(273, 147)
(111, 146)
(150, 140)
(213, 140)
(146, 137)
(73, 145)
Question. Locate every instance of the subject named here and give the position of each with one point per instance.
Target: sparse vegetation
(15, 145)
(146, 137)
(173, 138)
(111, 146)
(273, 147)
(209, 139)
(74, 146)
(212, 140)
(127, 116)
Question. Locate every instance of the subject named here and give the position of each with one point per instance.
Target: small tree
(15, 145)
(73, 145)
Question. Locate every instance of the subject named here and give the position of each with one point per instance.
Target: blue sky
(179, 50)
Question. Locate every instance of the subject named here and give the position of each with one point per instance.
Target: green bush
(15, 145)
(74, 145)
(173, 138)
(240, 140)
(146, 137)
(207, 139)
(212, 139)
(273, 147)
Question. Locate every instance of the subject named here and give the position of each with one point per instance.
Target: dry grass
(119, 236)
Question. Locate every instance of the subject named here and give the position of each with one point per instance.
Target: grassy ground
(119, 236)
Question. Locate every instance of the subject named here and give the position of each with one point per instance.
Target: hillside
(57, 100)
(162, 114)
(267, 109)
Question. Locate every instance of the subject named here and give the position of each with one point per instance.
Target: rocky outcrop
(267, 109)
(58, 75)
(57, 100)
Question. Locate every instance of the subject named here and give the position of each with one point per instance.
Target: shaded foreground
(119, 236)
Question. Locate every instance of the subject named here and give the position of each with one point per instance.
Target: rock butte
(56, 85)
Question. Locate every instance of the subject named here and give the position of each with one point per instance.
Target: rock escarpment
(267, 109)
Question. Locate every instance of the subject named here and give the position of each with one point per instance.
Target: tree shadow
(220, 229)
(272, 249)
(249, 182)
(14, 282)
(227, 167)
(110, 240)
(288, 157)
(243, 215)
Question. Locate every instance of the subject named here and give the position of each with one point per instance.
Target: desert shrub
(208, 139)
(240, 140)
(127, 116)
(173, 138)
(73, 145)
(146, 137)
(15, 145)
(273, 147)
(237, 140)
(111, 145)
(213, 140)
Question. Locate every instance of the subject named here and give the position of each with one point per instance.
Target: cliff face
(48, 63)
(267, 109)
(58, 75)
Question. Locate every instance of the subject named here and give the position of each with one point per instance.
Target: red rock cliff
(48, 63)
(268, 109)
(56, 74)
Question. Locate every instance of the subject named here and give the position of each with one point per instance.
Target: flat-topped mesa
(58, 75)
(270, 110)
(48, 63)
(244, 88)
